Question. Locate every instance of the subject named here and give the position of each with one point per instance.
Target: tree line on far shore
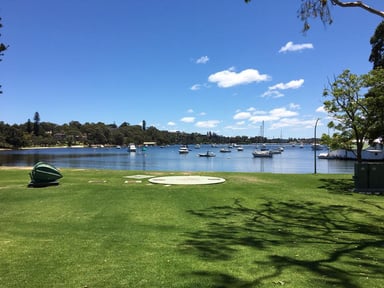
(46, 134)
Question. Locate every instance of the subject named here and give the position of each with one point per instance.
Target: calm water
(292, 160)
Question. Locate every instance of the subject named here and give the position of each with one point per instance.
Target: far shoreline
(43, 147)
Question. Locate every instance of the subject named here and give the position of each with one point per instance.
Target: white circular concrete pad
(186, 180)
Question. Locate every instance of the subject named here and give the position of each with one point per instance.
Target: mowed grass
(99, 228)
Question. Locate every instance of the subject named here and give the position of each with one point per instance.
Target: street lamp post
(315, 148)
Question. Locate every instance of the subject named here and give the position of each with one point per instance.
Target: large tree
(374, 81)
(36, 124)
(377, 50)
(347, 105)
(375, 95)
(321, 9)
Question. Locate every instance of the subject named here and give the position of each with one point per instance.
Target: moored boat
(225, 150)
(207, 154)
(132, 147)
(183, 150)
(262, 154)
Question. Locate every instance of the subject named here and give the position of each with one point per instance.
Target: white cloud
(188, 119)
(290, 47)
(202, 60)
(294, 84)
(321, 109)
(195, 87)
(273, 94)
(242, 115)
(272, 115)
(260, 118)
(229, 78)
(170, 123)
(293, 123)
(190, 110)
(282, 112)
(294, 106)
(235, 128)
(207, 124)
(274, 91)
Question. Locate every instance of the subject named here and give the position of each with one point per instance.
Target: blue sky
(195, 66)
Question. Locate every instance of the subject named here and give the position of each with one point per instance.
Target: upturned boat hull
(44, 174)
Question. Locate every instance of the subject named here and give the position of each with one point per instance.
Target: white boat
(183, 150)
(132, 147)
(262, 154)
(343, 154)
(197, 146)
(240, 148)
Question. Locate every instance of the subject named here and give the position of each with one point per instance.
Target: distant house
(149, 143)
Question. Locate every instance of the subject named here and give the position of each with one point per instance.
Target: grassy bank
(102, 229)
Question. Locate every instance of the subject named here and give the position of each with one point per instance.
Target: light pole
(315, 148)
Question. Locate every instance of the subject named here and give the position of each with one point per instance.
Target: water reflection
(292, 160)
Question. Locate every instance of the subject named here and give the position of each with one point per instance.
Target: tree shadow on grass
(337, 249)
(338, 186)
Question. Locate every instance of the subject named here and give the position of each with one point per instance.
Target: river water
(292, 160)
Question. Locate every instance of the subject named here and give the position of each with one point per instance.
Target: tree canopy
(377, 43)
(354, 114)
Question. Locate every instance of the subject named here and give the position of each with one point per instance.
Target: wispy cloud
(321, 109)
(196, 87)
(272, 94)
(256, 116)
(188, 119)
(294, 84)
(282, 112)
(208, 124)
(294, 122)
(274, 91)
(294, 106)
(229, 78)
(202, 60)
(290, 47)
(242, 115)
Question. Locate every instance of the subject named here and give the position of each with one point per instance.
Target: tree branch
(359, 4)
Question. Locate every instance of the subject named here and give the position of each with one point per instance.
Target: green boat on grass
(44, 174)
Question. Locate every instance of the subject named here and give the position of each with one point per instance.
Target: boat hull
(208, 154)
(43, 173)
(262, 154)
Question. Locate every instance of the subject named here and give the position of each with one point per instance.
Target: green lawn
(101, 229)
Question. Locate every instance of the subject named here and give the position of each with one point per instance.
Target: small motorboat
(183, 150)
(207, 154)
(225, 150)
(44, 174)
(262, 154)
(132, 147)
